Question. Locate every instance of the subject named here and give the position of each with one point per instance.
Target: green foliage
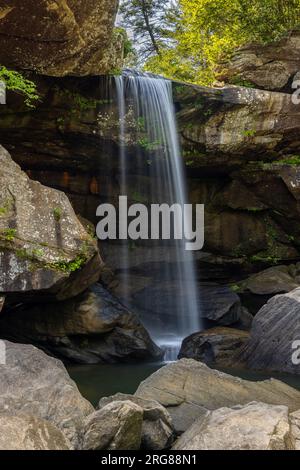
(147, 145)
(74, 265)
(16, 82)
(115, 72)
(140, 124)
(128, 46)
(70, 266)
(204, 33)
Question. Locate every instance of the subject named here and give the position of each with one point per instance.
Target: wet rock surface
(88, 329)
(188, 389)
(215, 346)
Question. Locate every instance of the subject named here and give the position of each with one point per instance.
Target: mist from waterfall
(147, 100)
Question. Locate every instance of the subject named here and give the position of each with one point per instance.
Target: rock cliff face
(271, 67)
(63, 37)
(240, 147)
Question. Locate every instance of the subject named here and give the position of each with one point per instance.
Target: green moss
(8, 234)
(290, 160)
(138, 197)
(57, 212)
(80, 102)
(238, 81)
(264, 257)
(235, 288)
(249, 133)
(3, 211)
(254, 209)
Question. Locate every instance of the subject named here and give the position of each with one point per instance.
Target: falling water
(149, 99)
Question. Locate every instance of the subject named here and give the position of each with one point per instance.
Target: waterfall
(145, 104)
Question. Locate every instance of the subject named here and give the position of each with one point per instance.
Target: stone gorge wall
(240, 148)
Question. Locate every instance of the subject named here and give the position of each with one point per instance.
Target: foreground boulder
(38, 385)
(88, 329)
(117, 426)
(188, 389)
(157, 428)
(23, 432)
(256, 426)
(59, 38)
(215, 346)
(44, 249)
(275, 334)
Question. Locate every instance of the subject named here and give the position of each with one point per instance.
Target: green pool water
(97, 381)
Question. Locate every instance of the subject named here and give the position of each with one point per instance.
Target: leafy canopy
(16, 82)
(195, 36)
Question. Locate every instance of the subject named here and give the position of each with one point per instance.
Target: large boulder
(117, 426)
(23, 432)
(38, 385)
(256, 426)
(157, 428)
(66, 37)
(271, 66)
(271, 281)
(89, 329)
(188, 389)
(215, 346)
(220, 304)
(275, 334)
(44, 249)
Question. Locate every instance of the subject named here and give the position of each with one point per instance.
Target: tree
(150, 23)
(208, 31)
